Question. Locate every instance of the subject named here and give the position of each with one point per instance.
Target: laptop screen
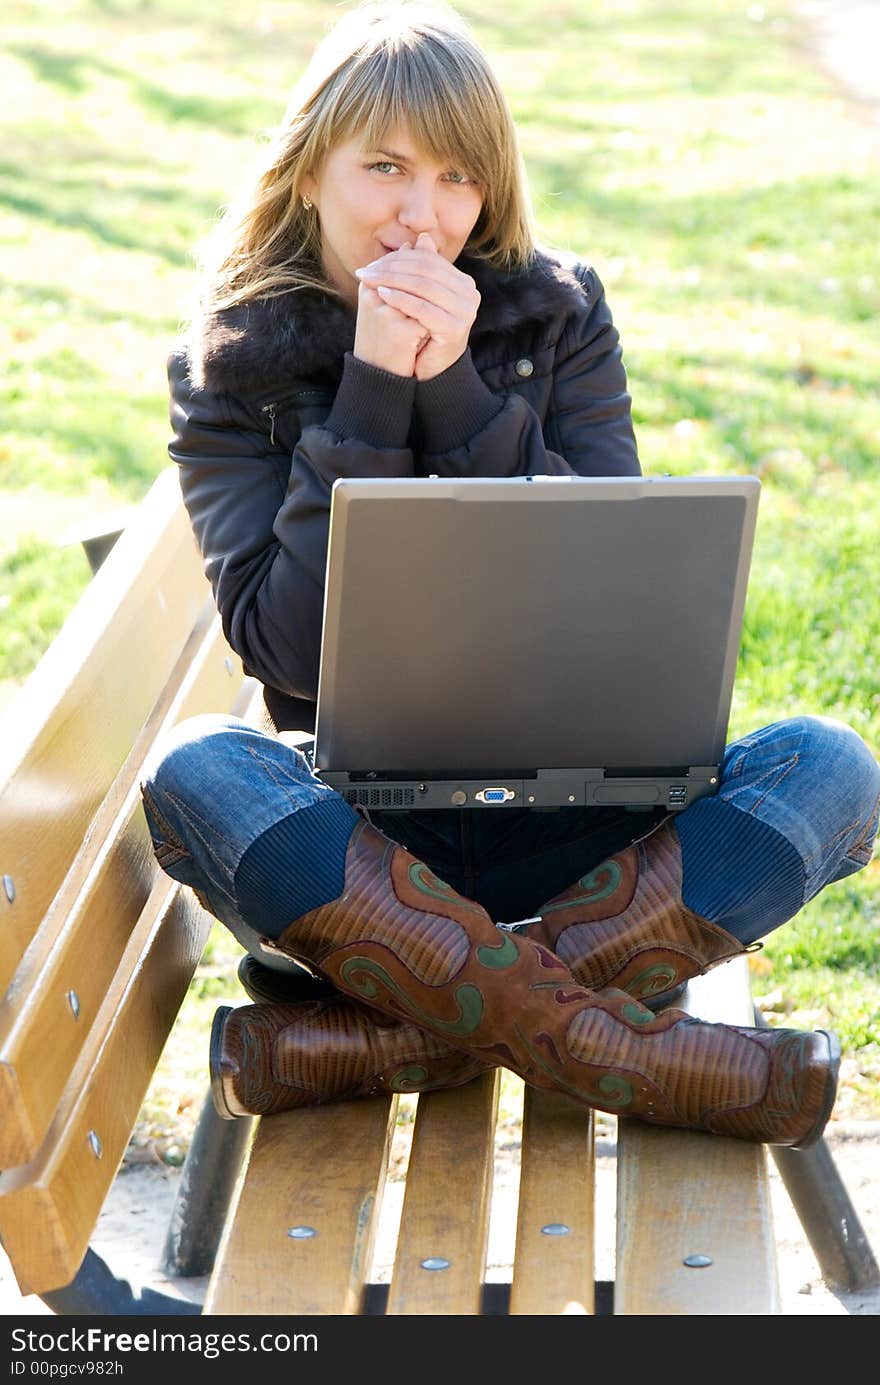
(512, 624)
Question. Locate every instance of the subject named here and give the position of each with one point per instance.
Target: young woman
(376, 305)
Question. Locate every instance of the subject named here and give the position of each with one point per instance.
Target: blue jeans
(797, 808)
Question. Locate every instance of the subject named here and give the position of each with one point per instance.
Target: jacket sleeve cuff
(454, 406)
(372, 405)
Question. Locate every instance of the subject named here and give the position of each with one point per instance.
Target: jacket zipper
(299, 397)
(270, 410)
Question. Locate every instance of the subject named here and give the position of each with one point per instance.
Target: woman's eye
(386, 166)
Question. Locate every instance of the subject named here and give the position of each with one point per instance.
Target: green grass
(706, 166)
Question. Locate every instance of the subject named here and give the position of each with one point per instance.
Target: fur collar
(253, 349)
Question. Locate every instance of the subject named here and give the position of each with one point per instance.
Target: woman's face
(371, 201)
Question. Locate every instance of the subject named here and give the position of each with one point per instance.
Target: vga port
(496, 795)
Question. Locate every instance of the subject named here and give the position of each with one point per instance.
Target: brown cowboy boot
(774, 1086)
(275, 1057)
(624, 924)
(404, 942)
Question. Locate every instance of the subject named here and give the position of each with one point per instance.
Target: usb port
(678, 793)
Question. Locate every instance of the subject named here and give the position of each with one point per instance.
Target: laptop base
(548, 788)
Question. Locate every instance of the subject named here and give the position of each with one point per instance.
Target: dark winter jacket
(269, 407)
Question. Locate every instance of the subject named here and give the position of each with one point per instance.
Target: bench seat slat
(48, 1208)
(72, 725)
(683, 1193)
(446, 1205)
(322, 1168)
(553, 1273)
(40, 1034)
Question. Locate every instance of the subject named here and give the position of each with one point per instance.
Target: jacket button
(524, 367)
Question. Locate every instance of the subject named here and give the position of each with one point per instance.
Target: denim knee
(212, 786)
(814, 779)
(848, 772)
(177, 760)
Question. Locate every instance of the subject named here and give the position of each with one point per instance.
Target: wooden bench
(97, 950)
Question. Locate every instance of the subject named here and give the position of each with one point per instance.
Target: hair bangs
(445, 103)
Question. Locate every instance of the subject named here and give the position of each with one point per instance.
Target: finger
(375, 301)
(420, 286)
(424, 242)
(435, 320)
(429, 276)
(424, 260)
(390, 256)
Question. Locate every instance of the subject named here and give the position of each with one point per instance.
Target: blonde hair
(380, 66)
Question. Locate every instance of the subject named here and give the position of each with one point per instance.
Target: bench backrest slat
(65, 974)
(48, 1209)
(66, 734)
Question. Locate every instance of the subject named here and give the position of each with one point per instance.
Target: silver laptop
(531, 641)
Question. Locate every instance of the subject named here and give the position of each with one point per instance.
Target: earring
(307, 202)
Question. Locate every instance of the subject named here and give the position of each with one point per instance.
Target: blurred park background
(724, 186)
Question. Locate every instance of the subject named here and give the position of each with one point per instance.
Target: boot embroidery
(595, 891)
(548, 959)
(636, 1013)
(653, 980)
(409, 1079)
(562, 997)
(426, 881)
(546, 1041)
(499, 957)
(357, 974)
(614, 1090)
(417, 1079)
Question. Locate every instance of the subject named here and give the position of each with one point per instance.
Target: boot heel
(269, 987)
(815, 1133)
(218, 1093)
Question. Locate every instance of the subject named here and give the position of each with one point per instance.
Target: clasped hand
(415, 311)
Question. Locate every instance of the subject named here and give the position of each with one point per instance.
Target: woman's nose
(418, 211)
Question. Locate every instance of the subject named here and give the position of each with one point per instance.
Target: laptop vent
(380, 798)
